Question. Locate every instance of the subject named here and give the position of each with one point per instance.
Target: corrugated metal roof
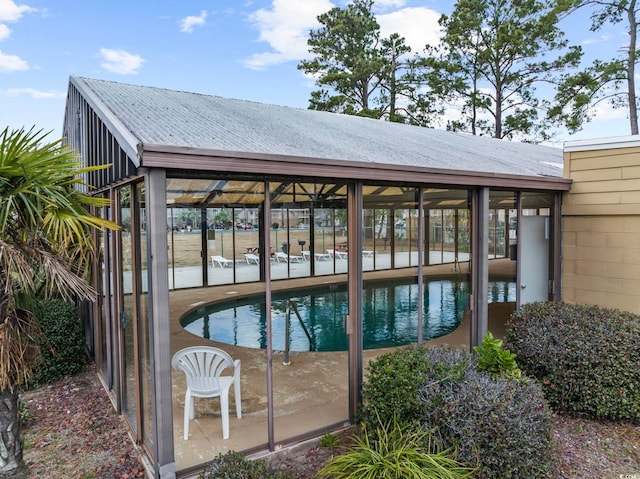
(182, 119)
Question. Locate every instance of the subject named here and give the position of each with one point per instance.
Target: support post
(164, 462)
(266, 264)
(480, 266)
(354, 318)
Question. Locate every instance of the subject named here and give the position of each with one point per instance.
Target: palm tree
(45, 252)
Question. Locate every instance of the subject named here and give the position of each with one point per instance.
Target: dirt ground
(72, 431)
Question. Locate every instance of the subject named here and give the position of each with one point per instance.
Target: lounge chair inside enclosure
(280, 256)
(203, 367)
(220, 261)
(338, 254)
(252, 258)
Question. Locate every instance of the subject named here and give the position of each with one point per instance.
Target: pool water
(390, 315)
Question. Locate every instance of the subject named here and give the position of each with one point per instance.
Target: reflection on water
(389, 307)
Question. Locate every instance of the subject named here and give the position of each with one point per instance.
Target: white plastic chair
(203, 366)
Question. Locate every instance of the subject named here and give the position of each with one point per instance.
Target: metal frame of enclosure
(388, 219)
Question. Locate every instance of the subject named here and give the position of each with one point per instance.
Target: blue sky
(238, 49)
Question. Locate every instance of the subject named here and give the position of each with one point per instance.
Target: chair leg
(236, 393)
(188, 413)
(224, 412)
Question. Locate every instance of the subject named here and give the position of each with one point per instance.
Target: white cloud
(37, 94)
(188, 23)
(418, 25)
(12, 63)
(120, 61)
(595, 40)
(10, 12)
(285, 28)
(605, 111)
(385, 4)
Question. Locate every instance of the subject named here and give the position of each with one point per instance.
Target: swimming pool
(390, 315)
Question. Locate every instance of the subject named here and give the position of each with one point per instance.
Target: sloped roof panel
(182, 119)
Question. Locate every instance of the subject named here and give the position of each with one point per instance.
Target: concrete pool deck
(244, 271)
(310, 394)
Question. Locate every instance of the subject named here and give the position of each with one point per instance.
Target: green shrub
(233, 465)
(397, 452)
(500, 423)
(62, 347)
(494, 359)
(586, 357)
(392, 386)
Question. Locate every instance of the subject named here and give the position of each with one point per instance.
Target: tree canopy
(611, 80)
(492, 56)
(357, 71)
(347, 60)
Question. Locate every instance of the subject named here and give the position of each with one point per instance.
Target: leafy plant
(46, 250)
(330, 441)
(392, 387)
(495, 360)
(586, 357)
(233, 465)
(62, 351)
(25, 414)
(503, 423)
(397, 451)
(499, 423)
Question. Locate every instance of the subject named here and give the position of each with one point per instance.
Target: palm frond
(15, 266)
(46, 244)
(18, 348)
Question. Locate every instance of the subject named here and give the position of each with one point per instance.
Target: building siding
(601, 226)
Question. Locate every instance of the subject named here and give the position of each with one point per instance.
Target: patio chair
(220, 261)
(341, 254)
(203, 367)
(252, 258)
(287, 257)
(338, 254)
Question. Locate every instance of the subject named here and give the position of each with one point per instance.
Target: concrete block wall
(601, 223)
